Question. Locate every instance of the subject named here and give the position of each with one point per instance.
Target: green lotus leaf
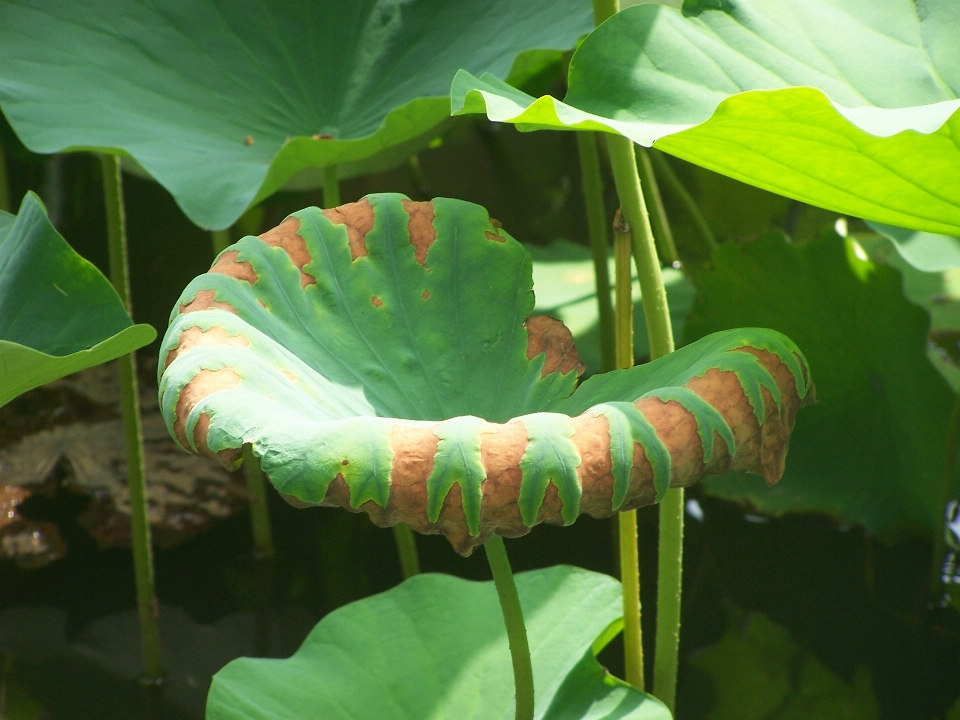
(223, 103)
(928, 252)
(871, 451)
(387, 656)
(58, 313)
(850, 105)
(381, 356)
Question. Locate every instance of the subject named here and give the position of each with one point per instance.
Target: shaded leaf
(223, 103)
(925, 251)
(871, 450)
(58, 314)
(832, 103)
(566, 289)
(387, 656)
(381, 356)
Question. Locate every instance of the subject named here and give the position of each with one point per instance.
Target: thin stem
(669, 585)
(5, 203)
(259, 507)
(130, 408)
(662, 233)
(407, 549)
(659, 331)
(331, 187)
(634, 208)
(592, 183)
(513, 620)
(683, 195)
(220, 241)
(627, 521)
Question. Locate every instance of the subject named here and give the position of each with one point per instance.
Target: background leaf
(871, 450)
(925, 251)
(58, 313)
(833, 103)
(221, 101)
(435, 647)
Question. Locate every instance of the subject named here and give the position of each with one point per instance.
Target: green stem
(660, 334)
(259, 507)
(592, 183)
(407, 549)
(5, 204)
(663, 233)
(331, 187)
(513, 620)
(627, 521)
(130, 408)
(220, 241)
(678, 188)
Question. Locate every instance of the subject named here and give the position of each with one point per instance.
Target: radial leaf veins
(380, 356)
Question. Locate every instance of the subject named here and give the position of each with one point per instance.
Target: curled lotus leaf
(380, 356)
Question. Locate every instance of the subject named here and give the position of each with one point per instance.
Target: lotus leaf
(223, 102)
(58, 313)
(380, 356)
(388, 656)
(928, 252)
(850, 105)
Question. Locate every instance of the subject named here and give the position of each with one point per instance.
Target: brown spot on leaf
(322, 136)
(377, 302)
(495, 235)
(420, 228)
(227, 264)
(551, 337)
(195, 336)
(501, 451)
(426, 295)
(289, 375)
(204, 383)
(206, 300)
(248, 140)
(286, 236)
(358, 218)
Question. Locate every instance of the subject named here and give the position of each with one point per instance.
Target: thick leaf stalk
(380, 357)
(147, 606)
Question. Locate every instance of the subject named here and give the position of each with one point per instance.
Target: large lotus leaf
(871, 451)
(379, 356)
(564, 277)
(222, 102)
(393, 655)
(58, 313)
(845, 104)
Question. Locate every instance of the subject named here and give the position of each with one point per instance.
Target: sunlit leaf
(223, 102)
(382, 356)
(392, 656)
(845, 104)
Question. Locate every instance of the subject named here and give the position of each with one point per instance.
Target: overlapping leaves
(222, 102)
(334, 337)
(845, 104)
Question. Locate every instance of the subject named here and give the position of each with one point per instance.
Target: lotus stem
(592, 183)
(662, 232)
(147, 605)
(627, 521)
(331, 187)
(513, 620)
(683, 195)
(5, 204)
(660, 334)
(259, 507)
(407, 549)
